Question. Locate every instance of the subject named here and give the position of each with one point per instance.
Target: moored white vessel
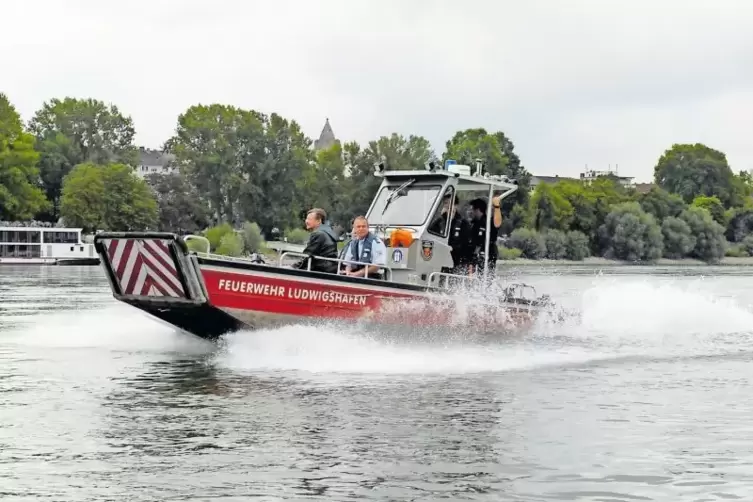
(38, 245)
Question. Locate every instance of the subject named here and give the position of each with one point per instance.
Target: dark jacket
(322, 242)
(478, 241)
(459, 239)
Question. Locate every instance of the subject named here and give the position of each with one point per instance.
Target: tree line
(257, 173)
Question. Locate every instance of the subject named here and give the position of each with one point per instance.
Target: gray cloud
(571, 83)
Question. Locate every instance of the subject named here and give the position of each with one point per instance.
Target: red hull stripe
(275, 294)
(144, 267)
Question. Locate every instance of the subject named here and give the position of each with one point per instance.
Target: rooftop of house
(644, 187)
(550, 179)
(149, 157)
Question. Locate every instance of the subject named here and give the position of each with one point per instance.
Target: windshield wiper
(396, 193)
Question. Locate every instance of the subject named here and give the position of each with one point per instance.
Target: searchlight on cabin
(455, 168)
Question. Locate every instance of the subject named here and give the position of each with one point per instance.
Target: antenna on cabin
(479, 165)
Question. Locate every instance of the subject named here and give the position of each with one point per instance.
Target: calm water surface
(646, 398)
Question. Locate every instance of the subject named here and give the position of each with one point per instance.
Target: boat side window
(19, 236)
(440, 224)
(60, 237)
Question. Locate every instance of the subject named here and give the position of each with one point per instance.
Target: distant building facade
(551, 180)
(154, 162)
(588, 176)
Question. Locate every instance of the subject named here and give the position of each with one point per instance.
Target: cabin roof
(465, 183)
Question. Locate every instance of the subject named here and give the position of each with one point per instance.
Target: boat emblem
(427, 250)
(397, 256)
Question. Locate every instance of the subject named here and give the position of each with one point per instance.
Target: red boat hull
(266, 297)
(210, 296)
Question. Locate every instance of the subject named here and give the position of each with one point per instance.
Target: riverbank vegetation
(242, 176)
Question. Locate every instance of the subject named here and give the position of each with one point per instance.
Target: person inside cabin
(460, 235)
(322, 242)
(478, 235)
(365, 248)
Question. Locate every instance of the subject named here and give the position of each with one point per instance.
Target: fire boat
(211, 295)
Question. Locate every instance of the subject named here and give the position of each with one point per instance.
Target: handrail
(215, 256)
(447, 274)
(520, 288)
(336, 260)
(191, 237)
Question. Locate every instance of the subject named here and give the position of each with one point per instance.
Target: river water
(647, 397)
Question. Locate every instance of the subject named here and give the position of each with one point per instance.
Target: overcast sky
(572, 83)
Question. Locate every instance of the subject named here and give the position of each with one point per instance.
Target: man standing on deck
(322, 242)
(478, 235)
(459, 239)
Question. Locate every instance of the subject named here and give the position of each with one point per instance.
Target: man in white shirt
(365, 248)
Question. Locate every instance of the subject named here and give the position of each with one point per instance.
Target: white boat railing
(448, 275)
(214, 256)
(339, 261)
(243, 259)
(193, 237)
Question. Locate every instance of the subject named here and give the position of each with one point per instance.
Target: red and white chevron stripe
(144, 267)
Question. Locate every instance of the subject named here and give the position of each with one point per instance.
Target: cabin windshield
(410, 207)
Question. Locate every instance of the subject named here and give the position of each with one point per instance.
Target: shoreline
(595, 261)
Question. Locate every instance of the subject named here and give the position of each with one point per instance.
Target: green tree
(268, 197)
(631, 234)
(549, 209)
(74, 131)
(693, 170)
(401, 153)
(322, 185)
(529, 241)
(577, 245)
(556, 244)
(740, 224)
(20, 196)
(360, 184)
(252, 238)
(591, 201)
(714, 206)
(217, 148)
(710, 244)
(678, 238)
(215, 234)
(514, 220)
(108, 197)
(661, 203)
(231, 244)
(181, 209)
(496, 152)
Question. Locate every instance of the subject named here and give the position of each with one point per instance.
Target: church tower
(326, 138)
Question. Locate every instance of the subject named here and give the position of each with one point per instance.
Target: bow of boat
(155, 273)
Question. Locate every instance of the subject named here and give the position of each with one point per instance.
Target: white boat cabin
(409, 201)
(42, 245)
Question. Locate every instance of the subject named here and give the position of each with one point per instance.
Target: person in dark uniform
(478, 235)
(459, 239)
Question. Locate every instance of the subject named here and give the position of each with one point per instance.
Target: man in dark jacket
(322, 242)
(478, 234)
